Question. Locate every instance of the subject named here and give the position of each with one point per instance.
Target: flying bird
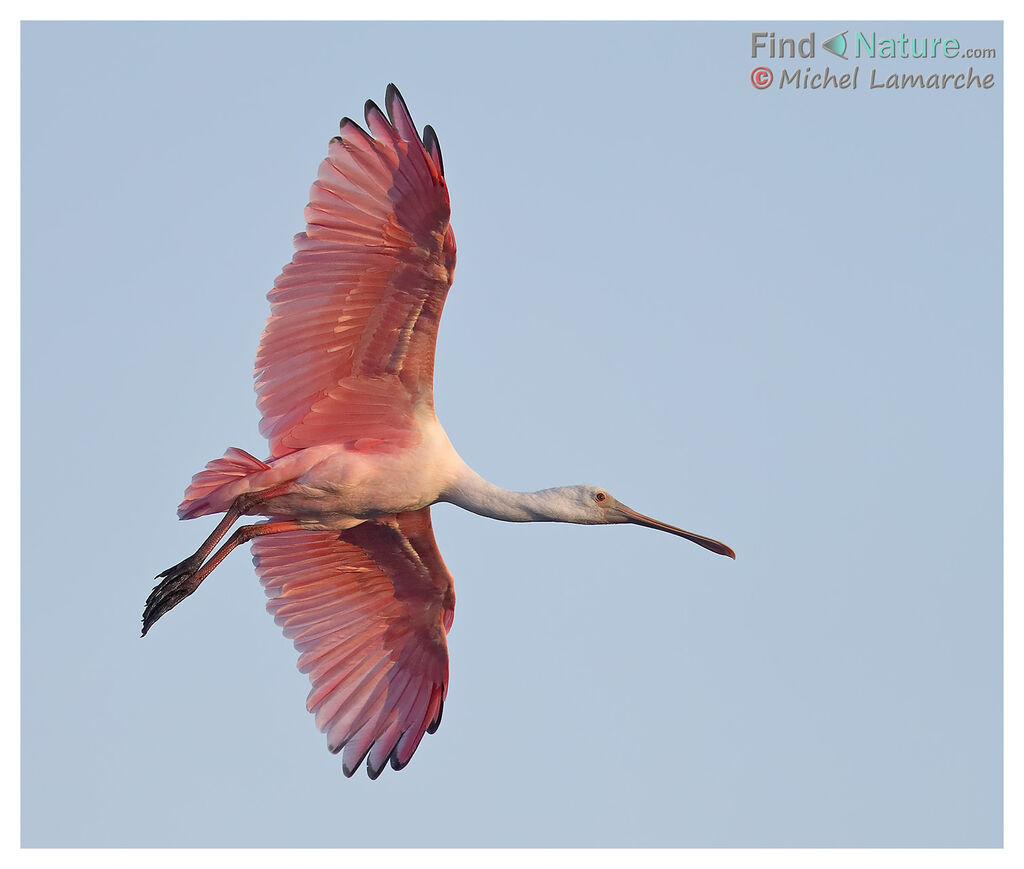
(344, 379)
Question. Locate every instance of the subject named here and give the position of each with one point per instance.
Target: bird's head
(593, 505)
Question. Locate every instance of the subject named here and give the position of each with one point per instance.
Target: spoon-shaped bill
(639, 519)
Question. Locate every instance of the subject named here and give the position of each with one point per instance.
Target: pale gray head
(593, 505)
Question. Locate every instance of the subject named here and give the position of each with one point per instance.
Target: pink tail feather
(235, 463)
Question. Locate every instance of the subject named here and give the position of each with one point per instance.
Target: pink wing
(368, 611)
(348, 349)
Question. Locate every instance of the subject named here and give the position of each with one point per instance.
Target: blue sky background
(770, 317)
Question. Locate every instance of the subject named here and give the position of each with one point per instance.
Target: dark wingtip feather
(389, 101)
(392, 757)
(433, 147)
(437, 721)
(374, 774)
(371, 106)
(400, 116)
(350, 128)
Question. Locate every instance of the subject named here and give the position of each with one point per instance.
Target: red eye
(600, 496)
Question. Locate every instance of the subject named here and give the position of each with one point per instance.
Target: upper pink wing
(369, 612)
(348, 350)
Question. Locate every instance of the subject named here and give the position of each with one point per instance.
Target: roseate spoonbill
(344, 377)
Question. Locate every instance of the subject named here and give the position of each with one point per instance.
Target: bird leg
(179, 584)
(179, 581)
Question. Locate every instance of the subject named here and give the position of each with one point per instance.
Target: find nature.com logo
(870, 45)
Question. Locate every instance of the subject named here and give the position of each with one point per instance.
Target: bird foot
(178, 583)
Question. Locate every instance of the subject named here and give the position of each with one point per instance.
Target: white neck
(472, 492)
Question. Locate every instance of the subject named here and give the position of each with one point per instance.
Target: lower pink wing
(368, 611)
